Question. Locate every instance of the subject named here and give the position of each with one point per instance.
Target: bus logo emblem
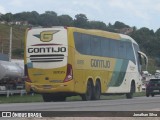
(46, 36)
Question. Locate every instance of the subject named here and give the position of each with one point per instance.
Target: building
(125, 30)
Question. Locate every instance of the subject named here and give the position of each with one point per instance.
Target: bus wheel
(152, 94)
(47, 97)
(59, 98)
(87, 96)
(132, 90)
(97, 91)
(147, 94)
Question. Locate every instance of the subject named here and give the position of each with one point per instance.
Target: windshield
(155, 81)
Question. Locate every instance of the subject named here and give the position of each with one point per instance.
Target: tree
(97, 25)
(134, 28)
(49, 18)
(1, 16)
(157, 33)
(65, 20)
(7, 17)
(120, 25)
(23, 16)
(33, 19)
(110, 28)
(147, 40)
(81, 21)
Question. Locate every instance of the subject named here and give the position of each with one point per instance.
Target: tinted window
(86, 44)
(95, 46)
(114, 48)
(154, 81)
(122, 50)
(78, 42)
(136, 48)
(105, 46)
(100, 46)
(82, 43)
(130, 53)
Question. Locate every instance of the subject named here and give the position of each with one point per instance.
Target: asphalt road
(135, 104)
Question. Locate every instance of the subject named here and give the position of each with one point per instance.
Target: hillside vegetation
(18, 33)
(148, 40)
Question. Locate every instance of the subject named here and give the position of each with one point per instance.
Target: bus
(68, 61)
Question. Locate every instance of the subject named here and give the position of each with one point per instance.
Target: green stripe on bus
(122, 73)
(115, 73)
(119, 74)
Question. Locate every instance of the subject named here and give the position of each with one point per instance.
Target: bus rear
(46, 61)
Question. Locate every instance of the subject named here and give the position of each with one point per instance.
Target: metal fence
(12, 92)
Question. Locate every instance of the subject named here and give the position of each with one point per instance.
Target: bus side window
(78, 42)
(105, 47)
(122, 50)
(82, 43)
(96, 46)
(130, 53)
(114, 48)
(86, 44)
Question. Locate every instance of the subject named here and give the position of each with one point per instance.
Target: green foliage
(27, 98)
(18, 52)
(97, 25)
(120, 25)
(81, 21)
(148, 41)
(157, 61)
(21, 99)
(18, 33)
(157, 33)
(7, 17)
(48, 19)
(65, 20)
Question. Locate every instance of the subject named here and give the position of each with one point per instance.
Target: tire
(147, 94)
(59, 98)
(132, 90)
(97, 91)
(47, 97)
(88, 95)
(152, 94)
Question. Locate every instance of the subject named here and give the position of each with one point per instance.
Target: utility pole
(10, 45)
(1, 44)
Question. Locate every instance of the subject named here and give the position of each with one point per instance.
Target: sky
(139, 13)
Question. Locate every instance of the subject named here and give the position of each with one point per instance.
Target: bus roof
(128, 37)
(94, 32)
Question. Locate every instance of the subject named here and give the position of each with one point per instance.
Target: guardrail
(11, 92)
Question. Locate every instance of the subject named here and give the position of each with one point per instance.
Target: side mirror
(145, 61)
(140, 58)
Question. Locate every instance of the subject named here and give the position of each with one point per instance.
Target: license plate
(47, 86)
(156, 91)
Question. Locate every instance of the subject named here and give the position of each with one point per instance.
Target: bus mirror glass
(140, 58)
